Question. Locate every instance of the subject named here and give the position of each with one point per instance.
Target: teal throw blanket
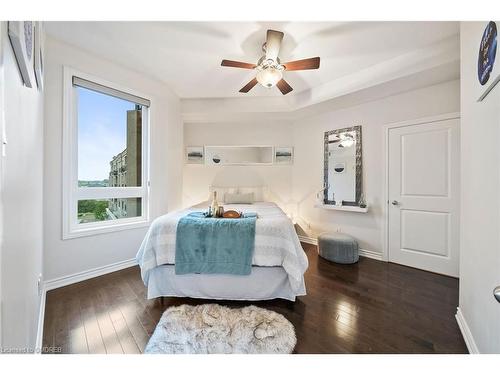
(210, 245)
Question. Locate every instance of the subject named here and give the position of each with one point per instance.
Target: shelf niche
(238, 155)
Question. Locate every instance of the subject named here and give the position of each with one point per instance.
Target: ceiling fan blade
(238, 64)
(249, 86)
(312, 63)
(273, 44)
(284, 87)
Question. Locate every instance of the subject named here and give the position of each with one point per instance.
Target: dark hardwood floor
(369, 307)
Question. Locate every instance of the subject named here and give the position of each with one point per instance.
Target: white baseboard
(71, 279)
(309, 240)
(99, 271)
(370, 254)
(41, 318)
(466, 333)
(362, 252)
(89, 274)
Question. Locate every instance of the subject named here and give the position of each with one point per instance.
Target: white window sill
(101, 229)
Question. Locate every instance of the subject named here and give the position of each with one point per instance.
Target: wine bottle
(214, 206)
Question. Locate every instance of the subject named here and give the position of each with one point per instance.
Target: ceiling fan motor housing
(264, 63)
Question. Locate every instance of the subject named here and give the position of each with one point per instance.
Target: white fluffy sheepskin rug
(212, 328)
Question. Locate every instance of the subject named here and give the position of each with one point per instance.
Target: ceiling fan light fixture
(269, 77)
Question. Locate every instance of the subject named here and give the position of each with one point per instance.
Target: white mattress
(263, 283)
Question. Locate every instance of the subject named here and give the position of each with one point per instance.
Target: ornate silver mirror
(343, 167)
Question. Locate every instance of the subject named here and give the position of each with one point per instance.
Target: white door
(423, 204)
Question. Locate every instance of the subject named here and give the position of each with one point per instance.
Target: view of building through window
(109, 153)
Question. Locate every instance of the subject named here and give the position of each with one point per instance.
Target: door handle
(395, 203)
(496, 293)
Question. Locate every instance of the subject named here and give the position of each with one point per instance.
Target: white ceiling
(187, 55)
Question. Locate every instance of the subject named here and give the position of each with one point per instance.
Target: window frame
(71, 193)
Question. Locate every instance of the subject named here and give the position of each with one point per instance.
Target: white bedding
(276, 243)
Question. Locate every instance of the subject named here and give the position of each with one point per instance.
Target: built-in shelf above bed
(239, 155)
(342, 208)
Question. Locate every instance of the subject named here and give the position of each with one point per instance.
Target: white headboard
(260, 192)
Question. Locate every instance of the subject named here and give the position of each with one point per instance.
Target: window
(105, 156)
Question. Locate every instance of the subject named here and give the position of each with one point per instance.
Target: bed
(278, 263)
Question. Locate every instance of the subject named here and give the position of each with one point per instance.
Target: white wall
(67, 257)
(21, 187)
(480, 200)
(277, 178)
(307, 175)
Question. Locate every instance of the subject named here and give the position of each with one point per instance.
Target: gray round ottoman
(338, 247)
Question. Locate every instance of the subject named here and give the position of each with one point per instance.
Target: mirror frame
(359, 165)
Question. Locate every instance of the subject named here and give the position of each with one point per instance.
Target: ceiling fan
(269, 67)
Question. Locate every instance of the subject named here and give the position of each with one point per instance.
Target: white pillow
(257, 191)
(246, 198)
(221, 192)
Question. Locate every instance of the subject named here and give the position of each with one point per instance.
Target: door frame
(385, 172)
(2, 145)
